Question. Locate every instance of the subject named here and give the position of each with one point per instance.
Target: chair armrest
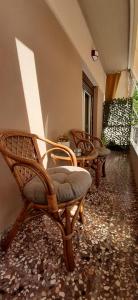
(79, 134)
(86, 146)
(94, 138)
(98, 140)
(62, 148)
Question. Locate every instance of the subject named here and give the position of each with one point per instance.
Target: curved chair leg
(11, 234)
(103, 169)
(81, 217)
(97, 173)
(67, 242)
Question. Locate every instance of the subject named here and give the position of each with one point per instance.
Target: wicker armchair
(53, 190)
(87, 143)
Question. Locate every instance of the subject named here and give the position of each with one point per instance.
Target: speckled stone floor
(106, 248)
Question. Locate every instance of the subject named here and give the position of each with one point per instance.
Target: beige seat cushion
(103, 151)
(69, 182)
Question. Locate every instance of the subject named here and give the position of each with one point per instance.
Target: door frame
(89, 88)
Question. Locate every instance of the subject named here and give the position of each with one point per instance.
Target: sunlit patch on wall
(31, 91)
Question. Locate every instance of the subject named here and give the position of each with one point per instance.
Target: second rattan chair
(87, 142)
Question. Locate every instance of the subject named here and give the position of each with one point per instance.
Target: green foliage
(104, 139)
(135, 106)
(135, 95)
(117, 122)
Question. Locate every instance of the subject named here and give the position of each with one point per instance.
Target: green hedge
(117, 119)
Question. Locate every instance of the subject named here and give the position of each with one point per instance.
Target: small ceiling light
(94, 54)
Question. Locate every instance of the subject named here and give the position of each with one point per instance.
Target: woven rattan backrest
(23, 145)
(78, 135)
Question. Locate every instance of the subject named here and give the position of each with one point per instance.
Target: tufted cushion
(69, 183)
(103, 151)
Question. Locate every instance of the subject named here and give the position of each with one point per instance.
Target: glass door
(87, 99)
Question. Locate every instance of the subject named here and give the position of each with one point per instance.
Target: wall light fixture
(94, 54)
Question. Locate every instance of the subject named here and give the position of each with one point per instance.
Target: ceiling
(108, 22)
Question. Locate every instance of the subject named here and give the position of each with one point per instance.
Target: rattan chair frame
(87, 143)
(21, 152)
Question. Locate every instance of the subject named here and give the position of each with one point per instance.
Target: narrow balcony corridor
(105, 247)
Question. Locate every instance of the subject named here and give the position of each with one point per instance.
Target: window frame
(87, 87)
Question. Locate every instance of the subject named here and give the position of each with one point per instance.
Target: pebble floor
(105, 248)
